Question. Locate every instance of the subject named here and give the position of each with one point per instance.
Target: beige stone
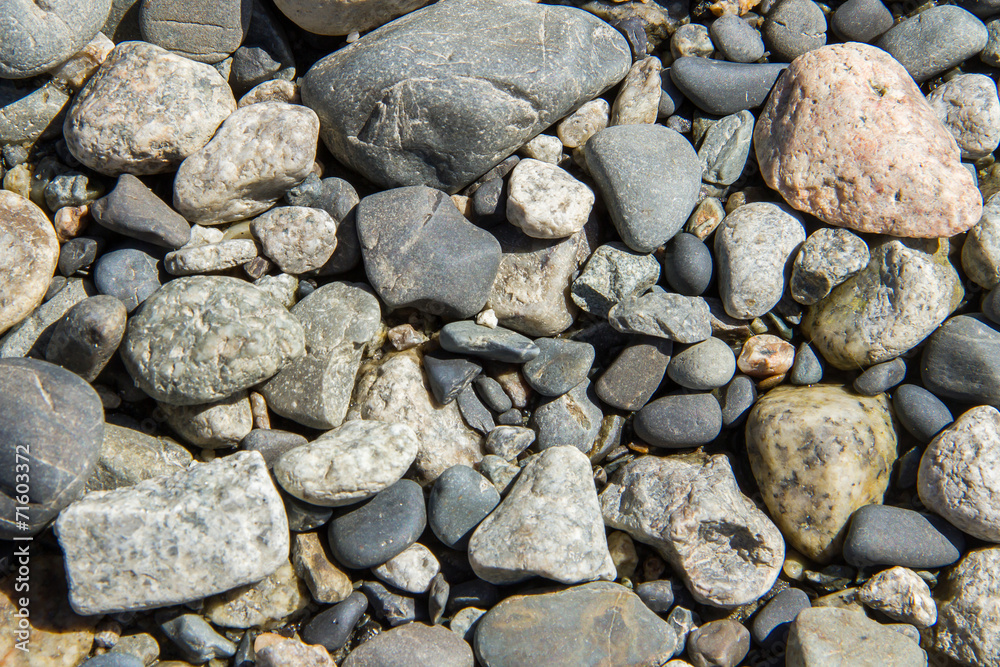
(639, 98)
(546, 202)
(575, 129)
(819, 453)
(968, 613)
(29, 253)
(327, 583)
(847, 136)
(267, 603)
(902, 595)
(294, 653)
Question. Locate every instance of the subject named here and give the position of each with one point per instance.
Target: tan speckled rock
(968, 614)
(981, 250)
(327, 583)
(902, 595)
(341, 17)
(847, 136)
(824, 637)
(212, 425)
(269, 602)
(819, 453)
(907, 290)
(29, 253)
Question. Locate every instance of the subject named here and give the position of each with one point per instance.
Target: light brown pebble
(258, 408)
(653, 568)
(69, 221)
(464, 205)
(513, 383)
(275, 90)
(623, 554)
(108, 632)
(265, 639)
(706, 217)
(405, 337)
(765, 356)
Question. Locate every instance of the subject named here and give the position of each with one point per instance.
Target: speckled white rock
(257, 155)
(819, 442)
(969, 107)
(981, 250)
(847, 136)
(549, 525)
(754, 248)
(907, 290)
(145, 110)
(959, 476)
(543, 147)
(575, 129)
(157, 543)
(220, 424)
(410, 571)
(348, 464)
(968, 614)
(29, 253)
(691, 510)
(209, 257)
(900, 594)
(296, 238)
(545, 201)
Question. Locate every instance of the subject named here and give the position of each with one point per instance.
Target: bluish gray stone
(736, 39)
(71, 189)
(961, 361)
(460, 499)
(114, 660)
(381, 528)
(722, 88)
(612, 273)
(492, 394)
(861, 20)
(771, 623)
(36, 37)
(671, 97)
(794, 27)
(133, 210)
(725, 148)
(397, 112)
(935, 40)
(703, 366)
(265, 53)
(331, 628)
(197, 640)
(401, 233)
(886, 535)
(129, 274)
(391, 607)
(736, 400)
(679, 318)
(572, 419)
(679, 421)
(880, 377)
(807, 367)
(498, 344)
(687, 264)
(448, 374)
(560, 366)
(658, 595)
(649, 177)
(437, 599)
(633, 377)
(475, 414)
(86, 337)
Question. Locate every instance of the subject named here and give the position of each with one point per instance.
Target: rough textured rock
(549, 525)
(833, 148)
(612, 273)
(692, 512)
(959, 475)
(293, 653)
(396, 390)
(296, 238)
(214, 425)
(326, 582)
(234, 334)
(412, 644)
(967, 611)
(968, 106)
(638, 99)
(411, 570)
(981, 250)
(209, 257)
(130, 549)
(32, 335)
(257, 155)
(577, 128)
(928, 44)
(545, 201)
(129, 456)
(684, 319)
(273, 600)
(207, 33)
(476, 106)
(145, 111)
(962, 362)
(794, 27)
(826, 259)
(825, 442)
(902, 595)
(907, 290)
(40, 37)
(29, 252)
(832, 636)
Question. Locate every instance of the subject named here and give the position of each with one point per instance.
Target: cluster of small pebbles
(376, 334)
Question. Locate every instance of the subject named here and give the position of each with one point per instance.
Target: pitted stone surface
(296, 238)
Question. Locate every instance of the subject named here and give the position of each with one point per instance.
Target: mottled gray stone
(206, 33)
(497, 343)
(794, 27)
(33, 333)
(71, 189)
(827, 258)
(981, 250)
(664, 315)
(612, 273)
(679, 421)
(492, 394)
(828, 636)
(393, 608)
(861, 20)
(703, 366)
(449, 374)
(36, 37)
(234, 336)
(880, 377)
(412, 644)
(129, 456)
(961, 361)
(633, 377)
(920, 412)
(459, 501)
(129, 549)
(560, 366)
(338, 198)
(754, 249)
(807, 368)
(209, 257)
(736, 39)
(725, 148)
(257, 154)
(29, 114)
(509, 441)
(687, 264)
(649, 177)
(736, 400)
(691, 510)
(549, 525)
(196, 639)
(129, 274)
(493, 94)
(381, 528)
(411, 571)
(133, 210)
(401, 232)
(573, 419)
(934, 41)
(296, 238)
(968, 106)
(84, 339)
(78, 253)
(721, 88)
(720, 643)
(145, 110)
(214, 425)
(658, 594)
(339, 320)
(29, 254)
(967, 612)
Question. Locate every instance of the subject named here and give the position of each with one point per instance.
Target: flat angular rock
(632, 378)
(206, 33)
(27, 114)
(381, 528)
(231, 336)
(129, 456)
(835, 445)
(826, 259)
(449, 375)
(824, 636)
(29, 253)
(549, 525)
(612, 273)
(560, 366)
(853, 164)
(722, 88)
(967, 611)
(649, 177)
(401, 233)
(459, 501)
(297, 239)
(326, 582)
(968, 106)
(130, 549)
(928, 44)
(37, 38)
(498, 344)
(693, 513)
(474, 110)
(572, 419)
(133, 210)
(413, 643)
(682, 319)
(145, 110)
(411, 570)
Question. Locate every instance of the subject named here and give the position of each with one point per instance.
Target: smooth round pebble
(687, 264)
(332, 627)
(886, 535)
(880, 377)
(679, 421)
(459, 500)
(771, 623)
(381, 528)
(736, 400)
(129, 274)
(736, 39)
(794, 27)
(703, 366)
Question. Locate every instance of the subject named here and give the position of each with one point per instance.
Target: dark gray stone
(207, 33)
(736, 39)
(331, 628)
(402, 233)
(412, 644)
(381, 528)
(460, 499)
(560, 366)
(572, 419)
(671, 97)
(473, 593)
(991, 306)
(133, 210)
(87, 335)
(498, 344)
(397, 112)
(961, 361)
(981, 8)
(475, 414)
(78, 253)
(794, 27)
(265, 53)
(512, 417)
(197, 641)
(679, 421)
(687, 264)
(771, 623)
(880, 377)
(649, 177)
(51, 428)
(128, 274)
(807, 368)
(658, 595)
(633, 377)
(736, 400)
(886, 535)
(935, 40)
(722, 88)
(861, 20)
(271, 443)
(437, 597)
(492, 394)
(38, 37)
(448, 374)
(338, 198)
(490, 203)
(391, 607)
(303, 516)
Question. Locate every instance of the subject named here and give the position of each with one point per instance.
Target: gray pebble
(771, 623)
(475, 414)
(826, 259)
(303, 516)
(968, 106)
(512, 417)
(687, 264)
(114, 660)
(671, 97)
(338, 198)
(448, 374)
(736, 39)
(437, 598)
(807, 368)
(880, 377)
(133, 210)
(490, 203)
(332, 627)
(703, 366)
(560, 366)
(572, 419)
(29, 114)
(381, 528)
(722, 643)
(736, 401)
(658, 595)
(473, 593)
(722, 88)
(391, 607)
(935, 40)
(920, 412)
(612, 273)
(264, 55)
(509, 441)
(460, 499)
(271, 443)
(40, 37)
(207, 33)
(498, 344)
(197, 640)
(679, 421)
(492, 394)
(673, 316)
(78, 253)
(87, 336)
(861, 20)
(633, 377)
(887, 535)
(71, 189)
(961, 361)
(794, 27)
(725, 148)
(128, 274)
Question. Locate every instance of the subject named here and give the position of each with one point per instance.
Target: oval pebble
(684, 420)
(381, 528)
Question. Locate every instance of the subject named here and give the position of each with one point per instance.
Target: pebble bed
(384, 334)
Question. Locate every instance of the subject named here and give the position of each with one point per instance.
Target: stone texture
(830, 636)
(128, 274)
(771, 624)
(920, 412)
(29, 252)
(736, 39)
(145, 110)
(209, 257)
(826, 259)
(130, 549)
(687, 264)
(560, 366)
(722, 88)
(794, 27)
(967, 611)
(631, 379)
(573, 419)
(332, 627)
(549, 525)
(342, 17)
(293, 653)
(494, 343)
(546, 202)
(86, 337)
(679, 318)
(213, 425)
(679, 421)
(901, 595)
(721, 643)
(32, 335)
(765, 355)
(725, 148)
(612, 273)
(981, 250)
(830, 145)
(206, 33)
(703, 366)
(459, 501)
(297, 239)
(29, 114)
(234, 336)
(411, 570)
(823, 442)
(129, 456)
(38, 38)
(692, 512)
(413, 643)
(494, 93)
(271, 601)
(577, 128)
(861, 20)
(929, 44)
(383, 527)
(326, 582)
(133, 210)
(961, 361)
(968, 106)
(907, 290)
(638, 99)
